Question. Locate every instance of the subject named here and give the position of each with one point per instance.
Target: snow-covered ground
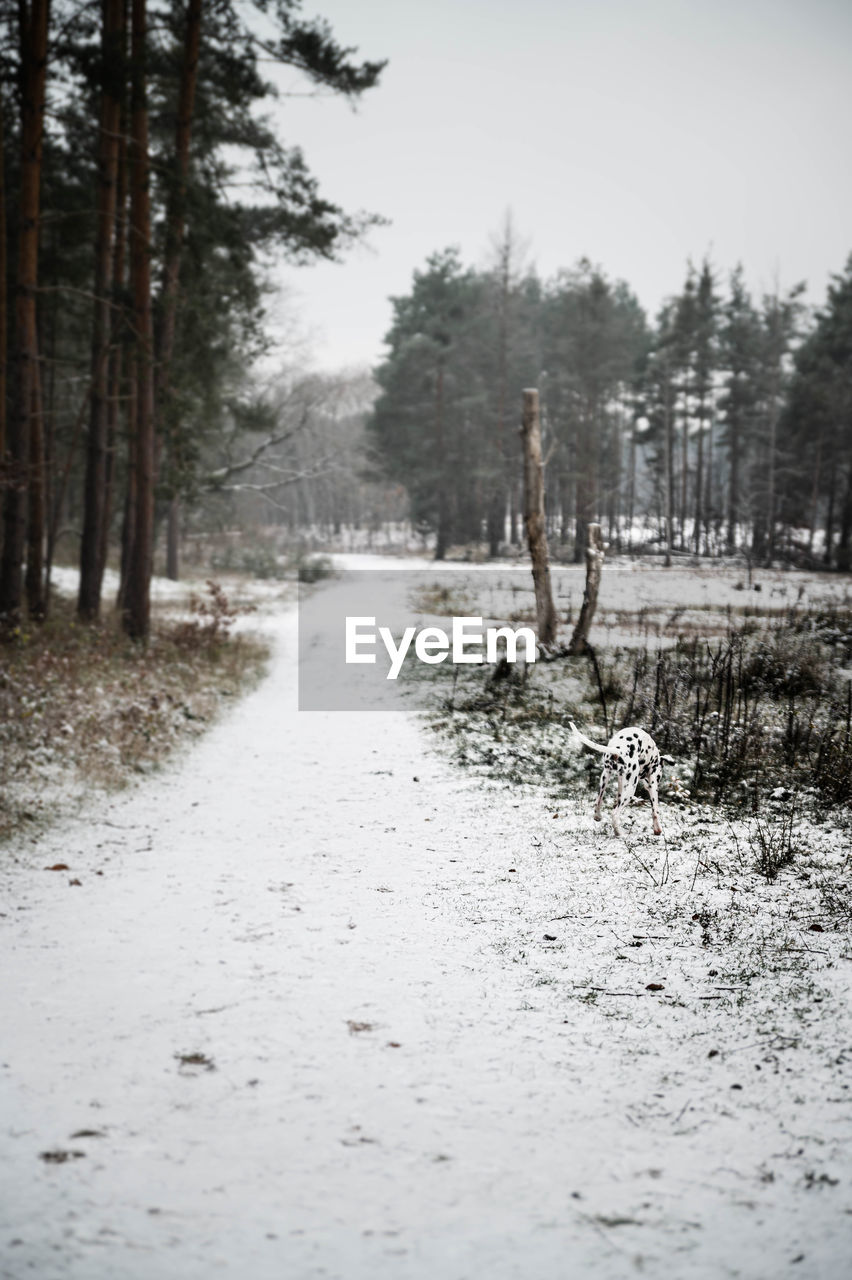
(313, 1004)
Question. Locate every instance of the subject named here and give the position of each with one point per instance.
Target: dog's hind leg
(621, 802)
(652, 784)
(601, 790)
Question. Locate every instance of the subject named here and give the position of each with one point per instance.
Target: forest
(147, 197)
(722, 427)
(145, 193)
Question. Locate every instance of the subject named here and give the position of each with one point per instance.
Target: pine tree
(25, 462)
(739, 343)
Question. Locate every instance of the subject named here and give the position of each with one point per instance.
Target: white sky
(635, 132)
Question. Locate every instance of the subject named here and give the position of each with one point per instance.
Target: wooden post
(534, 519)
(594, 565)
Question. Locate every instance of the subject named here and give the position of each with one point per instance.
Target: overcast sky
(638, 133)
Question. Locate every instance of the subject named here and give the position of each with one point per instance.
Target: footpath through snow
(283, 1026)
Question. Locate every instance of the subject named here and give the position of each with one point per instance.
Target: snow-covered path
(277, 1020)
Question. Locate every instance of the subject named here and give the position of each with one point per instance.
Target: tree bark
(442, 536)
(668, 447)
(34, 581)
(699, 476)
(94, 508)
(733, 483)
(33, 38)
(4, 314)
(534, 519)
(117, 380)
(137, 591)
(175, 220)
(594, 565)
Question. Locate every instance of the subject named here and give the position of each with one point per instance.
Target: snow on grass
(83, 709)
(321, 1003)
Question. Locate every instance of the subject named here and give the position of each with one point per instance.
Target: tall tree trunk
(668, 447)
(112, 54)
(137, 591)
(118, 336)
(684, 479)
(4, 314)
(734, 484)
(631, 486)
(36, 587)
(844, 557)
(829, 517)
(175, 219)
(812, 519)
(128, 523)
(33, 38)
(709, 502)
(534, 519)
(771, 480)
(699, 478)
(442, 536)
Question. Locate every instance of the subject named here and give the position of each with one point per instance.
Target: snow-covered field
(315, 1004)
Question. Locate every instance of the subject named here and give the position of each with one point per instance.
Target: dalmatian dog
(632, 755)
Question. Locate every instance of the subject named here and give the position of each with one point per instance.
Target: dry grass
(83, 707)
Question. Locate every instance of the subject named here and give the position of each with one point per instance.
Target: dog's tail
(579, 739)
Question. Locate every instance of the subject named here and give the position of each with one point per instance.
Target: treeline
(144, 189)
(722, 427)
(314, 485)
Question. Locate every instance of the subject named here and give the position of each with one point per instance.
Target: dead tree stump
(534, 519)
(594, 565)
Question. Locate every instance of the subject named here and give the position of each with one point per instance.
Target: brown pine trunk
(128, 524)
(175, 220)
(4, 326)
(34, 582)
(117, 366)
(94, 507)
(137, 593)
(173, 538)
(534, 519)
(33, 37)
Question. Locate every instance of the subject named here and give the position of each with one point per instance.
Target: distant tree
(739, 355)
(594, 337)
(509, 361)
(705, 362)
(816, 426)
(779, 330)
(658, 397)
(426, 421)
